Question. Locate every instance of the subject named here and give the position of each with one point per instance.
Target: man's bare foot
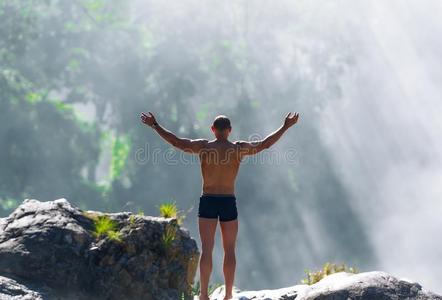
(203, 297)
(228, 297)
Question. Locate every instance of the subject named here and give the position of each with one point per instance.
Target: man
(220, 160)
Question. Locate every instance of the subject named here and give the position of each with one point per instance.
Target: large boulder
(375, 285)
(51, 244)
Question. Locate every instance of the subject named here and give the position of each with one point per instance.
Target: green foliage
(105, 226)
(132, 220)
(37, 65)
(63, 49)
(168, 236)
(133, 217)
(8, 204)
(104, 12)
(120, 152)
(53, 155)
(63, 107)
(327, 269)
(33, 97)
(168, 210)
(115, 236)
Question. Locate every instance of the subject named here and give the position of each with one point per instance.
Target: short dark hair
(221, 122)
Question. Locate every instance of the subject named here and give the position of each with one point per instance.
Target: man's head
(221, 127)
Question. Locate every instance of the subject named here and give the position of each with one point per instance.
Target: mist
(357, 180)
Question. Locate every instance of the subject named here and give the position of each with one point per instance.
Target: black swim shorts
(214, 206)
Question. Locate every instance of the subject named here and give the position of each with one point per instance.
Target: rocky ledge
(55, 251)
(51, 250)
(375, 285)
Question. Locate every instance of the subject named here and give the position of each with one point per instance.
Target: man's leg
(207, 228)
(229, 231)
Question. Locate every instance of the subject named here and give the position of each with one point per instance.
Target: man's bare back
(220, 160)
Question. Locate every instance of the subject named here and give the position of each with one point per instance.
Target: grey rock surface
(12, 290)
(50, 244)
(375, 285)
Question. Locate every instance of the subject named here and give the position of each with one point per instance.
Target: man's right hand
(149, 120)
(291, 120)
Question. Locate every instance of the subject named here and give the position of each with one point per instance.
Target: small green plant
(327, 269)
(132, 219)
(168, 210)
(115, 236)
(105, 226)
(169, 236)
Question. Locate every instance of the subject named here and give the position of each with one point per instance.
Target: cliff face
(374, 285)
(48, 251)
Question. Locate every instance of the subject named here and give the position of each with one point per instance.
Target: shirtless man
(220, 160)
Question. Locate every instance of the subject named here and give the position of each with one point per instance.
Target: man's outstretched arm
(187, 145)
(250, 148)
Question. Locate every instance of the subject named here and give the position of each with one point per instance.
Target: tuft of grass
(105, 226)
(168, 237)
(327, 269)
(115, 236)
(168, 210)
(132, 219)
